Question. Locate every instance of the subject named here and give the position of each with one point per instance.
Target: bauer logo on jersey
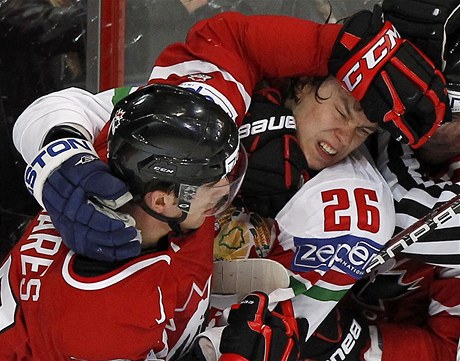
(260, 126)
(347, 253)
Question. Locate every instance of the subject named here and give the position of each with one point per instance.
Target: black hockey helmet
(166, 134)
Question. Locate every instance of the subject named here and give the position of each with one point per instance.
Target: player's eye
(341, 113)
(365, 131)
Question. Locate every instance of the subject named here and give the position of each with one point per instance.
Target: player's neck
(152, 230)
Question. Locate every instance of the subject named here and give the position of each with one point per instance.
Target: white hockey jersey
(333, 226)
(325, 236)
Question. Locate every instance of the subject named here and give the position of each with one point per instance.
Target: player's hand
(396, 84)
(277, 167)
(80, 195)
(427, 23)
(341, 333)
(256, 334)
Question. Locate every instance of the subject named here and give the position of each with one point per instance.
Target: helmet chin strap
(173, 223)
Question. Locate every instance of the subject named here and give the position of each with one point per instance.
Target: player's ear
(159, 201)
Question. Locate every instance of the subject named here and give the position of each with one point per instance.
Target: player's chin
(193, 221)
(319, 164)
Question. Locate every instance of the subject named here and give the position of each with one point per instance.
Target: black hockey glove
(426, 23)
(340, 336)
(256, 334)
(277, 167)
(396, 84)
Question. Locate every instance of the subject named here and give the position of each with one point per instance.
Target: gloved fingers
(73, 234)
(253, 307)
(412, 98)
(106, 246)
(127, 219)
(112, 203)
(75, 207)
(115, 238)
(68, 198)
(91, 175)
(60, 184)
(78, 209)
(62, 195)
(107, 252)
(254, 333)
(104, 185)
(101, 221)
(52, 200)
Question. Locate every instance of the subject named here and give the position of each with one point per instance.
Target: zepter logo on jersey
(348, 253)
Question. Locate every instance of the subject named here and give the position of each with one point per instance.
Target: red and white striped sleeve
(225, 56)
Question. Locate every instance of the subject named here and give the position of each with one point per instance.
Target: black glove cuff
(60, 132)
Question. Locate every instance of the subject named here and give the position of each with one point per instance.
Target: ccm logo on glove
(368, 59)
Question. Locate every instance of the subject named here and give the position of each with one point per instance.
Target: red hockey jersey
(144, 309)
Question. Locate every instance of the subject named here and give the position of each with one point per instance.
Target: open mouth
(327, 148)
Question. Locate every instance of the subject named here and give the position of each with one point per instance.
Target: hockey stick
(234, 279)
(243, 276)
(412, 234)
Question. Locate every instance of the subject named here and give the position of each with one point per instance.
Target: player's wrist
(64, 131)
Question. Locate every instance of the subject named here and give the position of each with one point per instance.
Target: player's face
(330, 128)
(205, 200)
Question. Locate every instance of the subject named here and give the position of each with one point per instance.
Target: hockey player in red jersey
(181, 165)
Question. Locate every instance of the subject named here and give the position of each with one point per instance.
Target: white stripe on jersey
(198, 67)
(436, 307)
(414, 197)
(425, 199)
(434, 248)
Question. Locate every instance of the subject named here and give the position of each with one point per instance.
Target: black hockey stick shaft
(412, 234)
